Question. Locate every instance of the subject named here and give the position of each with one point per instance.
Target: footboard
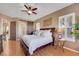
(25, 48)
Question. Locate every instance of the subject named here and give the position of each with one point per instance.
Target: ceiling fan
(29, 10)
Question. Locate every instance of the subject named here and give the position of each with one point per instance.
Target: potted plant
(76, 29)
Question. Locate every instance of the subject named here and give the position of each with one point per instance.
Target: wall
(54, 17)
(19, 25)
(5, 19)
(30, 28)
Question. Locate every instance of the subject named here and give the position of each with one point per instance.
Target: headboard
(52, 30)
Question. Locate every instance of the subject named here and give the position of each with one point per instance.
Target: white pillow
(46, 33)
(37, 33)
(43, 33)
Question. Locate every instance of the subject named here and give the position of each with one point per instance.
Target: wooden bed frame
(26, 49)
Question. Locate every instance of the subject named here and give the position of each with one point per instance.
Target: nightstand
(60, 43)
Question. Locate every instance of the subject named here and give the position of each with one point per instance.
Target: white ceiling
(14, 9)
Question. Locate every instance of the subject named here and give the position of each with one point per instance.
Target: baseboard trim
(71, 49)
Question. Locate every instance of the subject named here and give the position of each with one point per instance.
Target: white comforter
(34, 42)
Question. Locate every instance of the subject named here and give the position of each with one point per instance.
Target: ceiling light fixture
(30, 11)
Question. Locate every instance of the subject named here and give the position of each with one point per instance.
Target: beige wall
(5, 19)
(19, 25)
(55, 16)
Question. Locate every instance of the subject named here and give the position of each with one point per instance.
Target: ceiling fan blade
(24, 10)
(34, 12)
(28, 13)
(29, 8)
(26, 7)
(34, 9)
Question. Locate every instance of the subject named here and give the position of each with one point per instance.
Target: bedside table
(60, 43)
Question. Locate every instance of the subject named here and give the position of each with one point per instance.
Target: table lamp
(60, 31)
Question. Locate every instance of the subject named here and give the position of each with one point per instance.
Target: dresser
(1, 44)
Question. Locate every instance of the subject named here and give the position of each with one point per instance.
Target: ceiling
(14, 10)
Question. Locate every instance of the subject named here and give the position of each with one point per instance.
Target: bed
(31, 43)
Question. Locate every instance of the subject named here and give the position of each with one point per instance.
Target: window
(67, 21)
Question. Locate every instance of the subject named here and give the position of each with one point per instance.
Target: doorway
(13, 30)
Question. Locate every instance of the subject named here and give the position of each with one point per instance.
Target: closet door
(21, 29)
(1, 26)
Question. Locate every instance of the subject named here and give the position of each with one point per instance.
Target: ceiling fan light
(29, 11)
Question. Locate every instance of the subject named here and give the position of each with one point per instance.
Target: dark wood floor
(13, 48)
